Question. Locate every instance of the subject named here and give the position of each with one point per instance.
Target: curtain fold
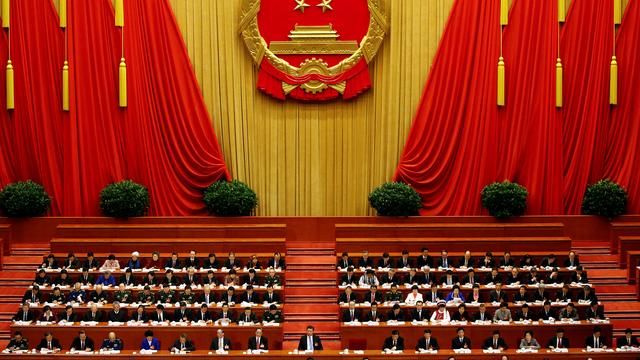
(587, 46)
(451, 149)
(164, 140)
(622, 160)
(530, 151)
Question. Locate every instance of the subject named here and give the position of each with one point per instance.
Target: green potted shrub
(24, 199)
(230, 198)
(124, 199)
(505, 199)
(605, 198)
(395, 199)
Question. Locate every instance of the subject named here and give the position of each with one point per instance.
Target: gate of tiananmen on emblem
(313, 50)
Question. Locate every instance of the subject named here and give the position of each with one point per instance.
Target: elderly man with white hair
(134, 263)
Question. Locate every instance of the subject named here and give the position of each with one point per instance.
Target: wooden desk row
(372, 337)
(573, 354)
(133, 335)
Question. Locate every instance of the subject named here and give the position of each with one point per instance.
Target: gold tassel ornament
(558, 83)
(504, 12)
(63, 13)
(6, 13)
(617, 12)
(613, 87)
(10, 93)
(562, 10)
(119, 13)
(122, 77)
(501, 82)
(65, 86)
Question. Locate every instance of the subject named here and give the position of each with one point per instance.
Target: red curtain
(622, 161)
(530, 151)
(460, 140)
(163, 140)
(451, 149)
(586, 46)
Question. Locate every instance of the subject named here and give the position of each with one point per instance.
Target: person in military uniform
(393, 295)
(111, 343)
(273, 315)
(188, 296)
(146, 297)
(272, 278)
(56, 297)
(99, 296)
(165, 296)
(18, 343)
(122, 295)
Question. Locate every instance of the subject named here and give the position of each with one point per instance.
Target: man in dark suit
(68, 315)
(495, 342)
(471, 277)
(572, 260)
(385, 261)
(425, 259)
(460, 341)
(173, 262)
(93, 314)
(226, 314)
(404, 261)
(373, 295)
(351, 314)
(220, 342)
(49, 343)
(127, 278)
(596, 341)
(344, 262)
(395, 313)
(365, 261)
(249, 296)
(203, 314)
(628, 339)
(82, 342)
(182, 314)
(310, 341)
(558, 341)
(427, 342)
(160, 315)
(482, 314)
(276, 262)
(349, 278)
(466, 261)
(547, 312)
(444, 261)
(506, 260)
(182, 344)
(594, 312)
(247, 316)
(394, 342)
(25, 314)
(258, 342)
(498, 295)
(117, 314)
(419, 313)
(347, 296)
(32, 296)
(374, 315)
(270, 296)
(449, 278)
(525, 314)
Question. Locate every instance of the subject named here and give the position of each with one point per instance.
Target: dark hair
(405, 252)
(460, 328)
(597, 329)
(148, 333)
(395, 332)
(530, 332)
(310, 327)
(496, 332)
(427, 331)
(112, 257)
(160, 307)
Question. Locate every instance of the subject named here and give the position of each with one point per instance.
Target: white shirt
(413, 298)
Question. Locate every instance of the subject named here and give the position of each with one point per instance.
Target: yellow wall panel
(311, 159)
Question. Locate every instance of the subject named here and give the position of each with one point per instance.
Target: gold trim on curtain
(311, 159)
